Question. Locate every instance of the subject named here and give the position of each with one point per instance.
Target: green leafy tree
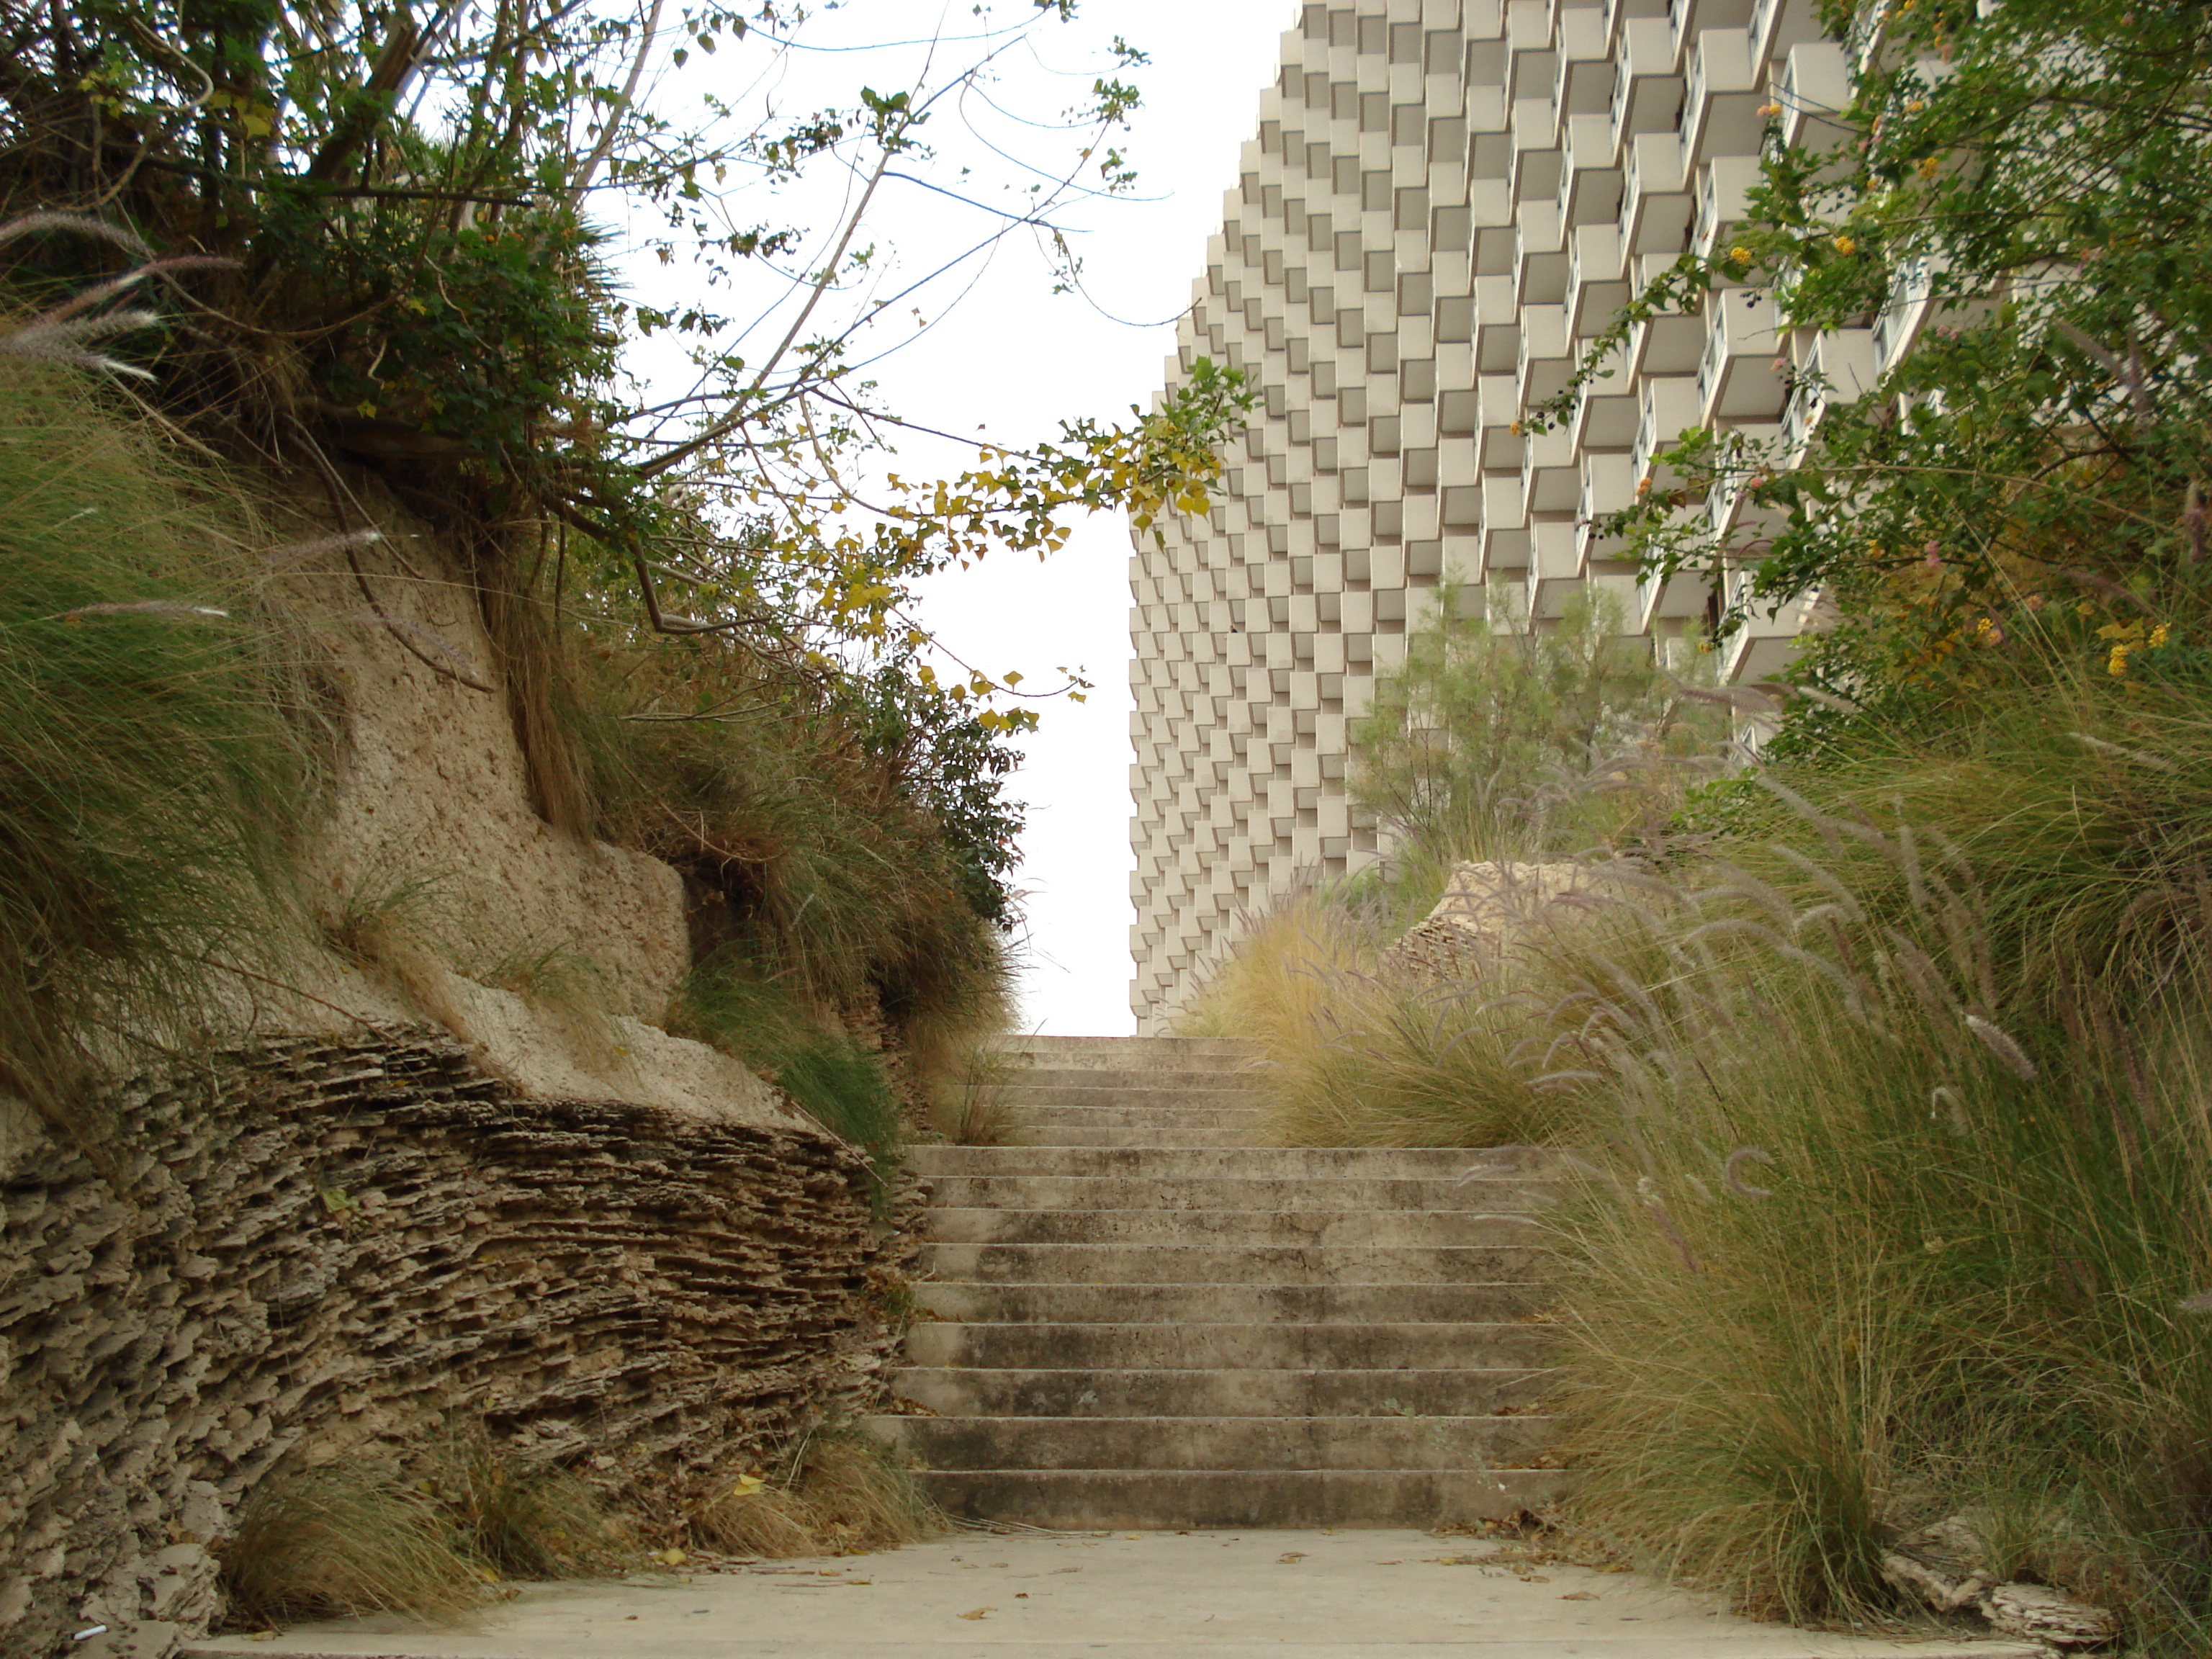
(2028, 184)
(1486, 742)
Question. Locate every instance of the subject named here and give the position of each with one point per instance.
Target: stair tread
(1145, 1318)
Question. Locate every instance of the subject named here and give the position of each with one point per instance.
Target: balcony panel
(1724, 187)
(1671, 405)
(1654, 207)
(1505, 547)
(1551, 476)
(1813, 86)
(1676, 600)
(1646, 90)
(1666, 345)
(1689, 20)
(1609, 486)
(1741, 371)
(1779, 27)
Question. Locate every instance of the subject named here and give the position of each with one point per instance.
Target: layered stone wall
(322, 1248)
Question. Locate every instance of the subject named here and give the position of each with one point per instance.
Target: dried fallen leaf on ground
(1291, 1555)
(978, 1613)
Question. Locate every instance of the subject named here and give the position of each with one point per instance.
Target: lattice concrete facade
(1446, 198)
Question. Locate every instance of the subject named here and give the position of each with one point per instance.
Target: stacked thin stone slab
(1141, 1318)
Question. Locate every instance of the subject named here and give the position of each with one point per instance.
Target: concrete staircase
(1142, 1319)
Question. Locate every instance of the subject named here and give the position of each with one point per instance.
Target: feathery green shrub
(1877, 1235)
(1478, 745)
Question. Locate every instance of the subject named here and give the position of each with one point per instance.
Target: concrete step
(1242, 1162)
(1166, 1191)
(1227, 1346)
(1231, 1264)
(1142, 1118)
(1140, 1317)
(977, 1225)
(1061, 1134)
(1471, 1390)
(1444, 1443)
(1121, 1051)
(1228, 1304)
(1135, 1086)
(1188, 1499)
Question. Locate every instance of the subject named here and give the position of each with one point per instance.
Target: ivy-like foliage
(2032, 179)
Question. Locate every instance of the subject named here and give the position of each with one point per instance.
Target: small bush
(1355, 1053)
(524, 1523)
(828, 838)
(767, 1025)
(967, 1099)
(349, 1538)
(838, 1493)
(1870, 1250)
(844, 1086)
(339, 1540)
(1483, 744)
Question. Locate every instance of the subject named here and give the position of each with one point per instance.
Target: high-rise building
(1444, 202)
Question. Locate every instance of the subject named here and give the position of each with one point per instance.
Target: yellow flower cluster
(2125, 638)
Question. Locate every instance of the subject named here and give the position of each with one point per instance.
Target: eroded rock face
(327, 1246)
(2040, 1614)
(1476, 919)
(1950, 1568)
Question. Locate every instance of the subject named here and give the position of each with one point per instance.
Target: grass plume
(151, 766)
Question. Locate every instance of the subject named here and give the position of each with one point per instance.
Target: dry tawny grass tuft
(839, 1491)
(343, 1540)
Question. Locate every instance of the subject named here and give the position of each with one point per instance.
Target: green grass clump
(1868, 1246)
(523, 1521)
(816, 842)
(1354, 1053)
(969, 1104)
(769, 1025)
(354, 1537)
(149, 770)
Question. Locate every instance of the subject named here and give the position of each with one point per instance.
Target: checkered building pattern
(1446, 200)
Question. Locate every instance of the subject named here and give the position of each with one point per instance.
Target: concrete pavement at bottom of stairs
(1347, 1594)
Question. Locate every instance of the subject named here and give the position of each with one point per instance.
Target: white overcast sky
(1013, 359)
